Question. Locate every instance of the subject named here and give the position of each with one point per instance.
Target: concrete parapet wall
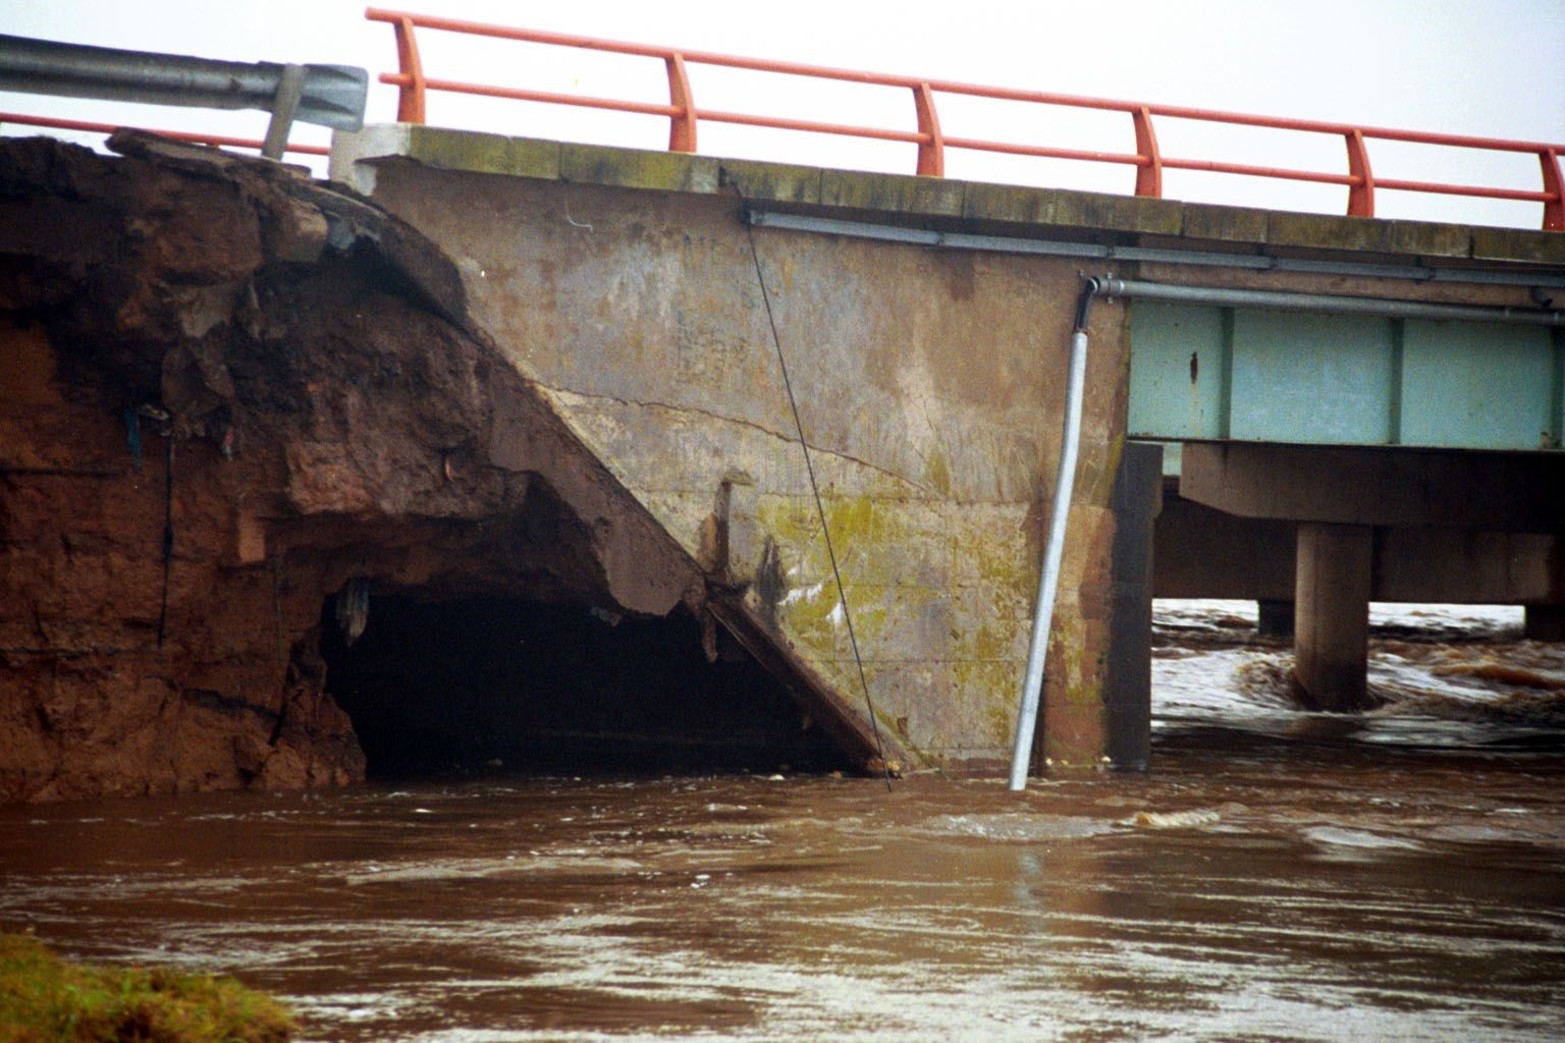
(980, 206)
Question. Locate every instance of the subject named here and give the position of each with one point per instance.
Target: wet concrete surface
(1275, 876)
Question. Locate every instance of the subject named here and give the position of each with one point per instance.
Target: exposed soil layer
(228, 394)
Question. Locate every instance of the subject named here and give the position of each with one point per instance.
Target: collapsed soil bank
(229, 394)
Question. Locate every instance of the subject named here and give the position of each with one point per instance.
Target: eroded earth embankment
(228, 394)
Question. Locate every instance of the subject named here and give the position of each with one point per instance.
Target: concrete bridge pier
(1331, 625)
(1340, 526)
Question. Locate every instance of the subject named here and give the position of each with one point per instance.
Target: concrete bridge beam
(1201, 552)
(1379, 485)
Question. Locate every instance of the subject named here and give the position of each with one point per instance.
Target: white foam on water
(1446, 675)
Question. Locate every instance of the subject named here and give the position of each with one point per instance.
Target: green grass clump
(44, 999)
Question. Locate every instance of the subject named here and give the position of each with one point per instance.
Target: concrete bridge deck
(930, 378)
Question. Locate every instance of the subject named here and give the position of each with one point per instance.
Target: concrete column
(1127, 688)
(1331, 635)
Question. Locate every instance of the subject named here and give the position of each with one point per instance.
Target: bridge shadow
(493, 684)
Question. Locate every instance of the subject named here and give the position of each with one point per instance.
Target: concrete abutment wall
(929, 389)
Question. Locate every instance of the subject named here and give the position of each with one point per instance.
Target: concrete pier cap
(628, 288)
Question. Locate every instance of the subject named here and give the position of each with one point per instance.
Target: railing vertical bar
(1149, 178)
(681, 127)
(1554, 185)
(932, 147)
(932, 142)
(410, 100)
(1361, 195)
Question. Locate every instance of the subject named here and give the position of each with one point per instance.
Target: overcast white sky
(1486, 67)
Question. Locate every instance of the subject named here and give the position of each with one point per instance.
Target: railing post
(1361, 194)
(682, 125)
(931, 150)
(410, 99)
(1149, 177)
(1554, 185)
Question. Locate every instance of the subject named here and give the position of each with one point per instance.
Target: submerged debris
(1171, 819)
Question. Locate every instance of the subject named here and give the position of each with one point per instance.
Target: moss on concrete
(772, 182)
(1224, 223)
(927, 197)
(1427, 239)
(1510, 244)
(903, 193)
(634, 168)
(484, 153)
(1325, 232)
(1102, 212)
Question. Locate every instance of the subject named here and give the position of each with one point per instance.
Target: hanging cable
(820, 507)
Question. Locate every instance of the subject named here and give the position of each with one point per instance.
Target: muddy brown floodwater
(1277, 876)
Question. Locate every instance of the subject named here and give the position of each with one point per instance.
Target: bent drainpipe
(1054, 550)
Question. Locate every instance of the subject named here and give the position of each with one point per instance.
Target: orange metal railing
(685, 118)
(222, 140)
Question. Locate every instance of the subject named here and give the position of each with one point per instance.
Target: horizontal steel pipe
(1335, 303)
(1163, 255)
(331, 96)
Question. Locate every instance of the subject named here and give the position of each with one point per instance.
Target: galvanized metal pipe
(329, 95)
(1163, 255)
(290, 90)
(1054, 548)
(1334, 303)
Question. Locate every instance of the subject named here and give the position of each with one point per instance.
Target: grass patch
(44, 999)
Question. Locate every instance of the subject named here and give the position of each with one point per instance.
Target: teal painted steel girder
(1214, 371)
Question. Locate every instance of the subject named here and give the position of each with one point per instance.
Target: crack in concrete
(813, 447)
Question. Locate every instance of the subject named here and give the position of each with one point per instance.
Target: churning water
(1277, 876)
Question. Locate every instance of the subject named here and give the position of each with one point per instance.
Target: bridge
(840, 405)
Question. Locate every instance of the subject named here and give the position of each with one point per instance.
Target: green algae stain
(875, 545)
(928, 588)
(937, 474)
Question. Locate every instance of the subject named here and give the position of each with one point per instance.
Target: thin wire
(820, 507)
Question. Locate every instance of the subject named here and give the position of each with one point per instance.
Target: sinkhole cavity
(502, 684)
